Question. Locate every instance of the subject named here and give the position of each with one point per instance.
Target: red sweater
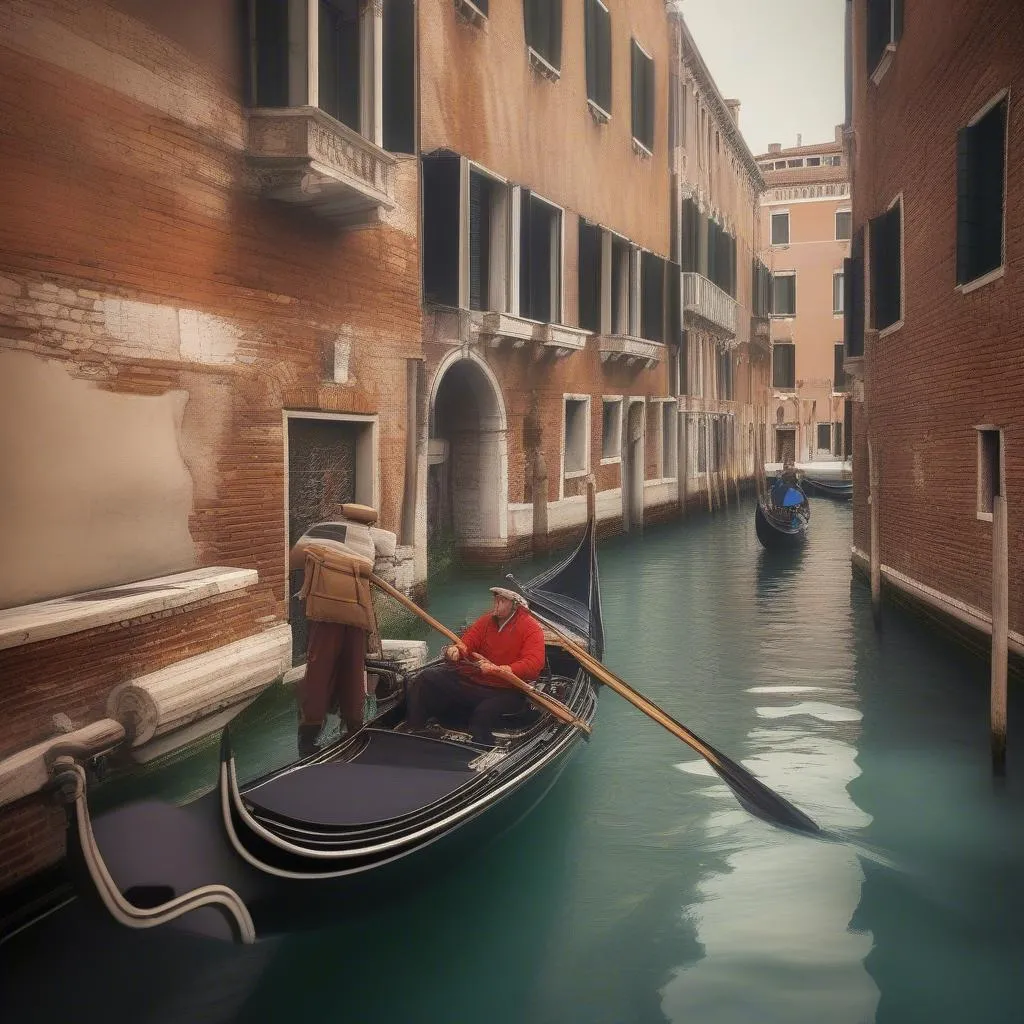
(519, 644)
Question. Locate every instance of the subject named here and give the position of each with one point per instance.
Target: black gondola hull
(837, 490)
(779, 536)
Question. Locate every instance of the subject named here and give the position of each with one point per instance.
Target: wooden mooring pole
(1000, 631)
(876, 556)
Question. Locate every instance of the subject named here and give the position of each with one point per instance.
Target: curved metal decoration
(70, 777)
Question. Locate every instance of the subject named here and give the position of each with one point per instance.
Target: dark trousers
(335, 665)
(443, 693)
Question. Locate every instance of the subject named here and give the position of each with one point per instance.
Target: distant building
(805, 231)
(935, 295)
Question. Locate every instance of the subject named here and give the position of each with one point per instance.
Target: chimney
(799, 140)
(839, 133)
(774, 147)
(734, 110)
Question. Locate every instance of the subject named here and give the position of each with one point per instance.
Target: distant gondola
(838, 490)
(315, 840)
(782, 517)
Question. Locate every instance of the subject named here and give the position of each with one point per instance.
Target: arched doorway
(467, 482)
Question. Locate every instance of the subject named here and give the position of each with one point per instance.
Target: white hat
(510, 594)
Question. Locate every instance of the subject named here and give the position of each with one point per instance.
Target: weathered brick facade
(955, 359)
(139, 264)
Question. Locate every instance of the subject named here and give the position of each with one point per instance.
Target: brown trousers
(335, 665)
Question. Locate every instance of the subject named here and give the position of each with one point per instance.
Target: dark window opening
(620, 286)
(886, 283)
(761, 288)
(441, 229)
(673, 300)
(691, 231)
(840, 381)
(725, 379)
(481, 201)
(844, 220)
(980, 195)
(990, 483)
(837, 438)
(652, 297)
(590, 276)
(784, 294)
(642, 89)
(885, 27)
(784, 367)
(539, 260)
(598, 33)
(399, 75)
(824, 437)
(268, 54)
(339, 60)
(853, 288)
(544, 29)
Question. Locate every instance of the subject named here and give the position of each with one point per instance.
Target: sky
(782, 59)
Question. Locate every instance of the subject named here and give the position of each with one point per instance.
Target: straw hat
(512, 595)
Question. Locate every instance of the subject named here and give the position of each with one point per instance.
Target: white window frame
(1000, 271)
(367, 463)
(573, 474)
(501, 251)
(885, 62)
(771, 229)
(782, 273)
(612, 460)
(849, 211)
(557, 265)
(893, 328)
(983, 428)
(842, 292)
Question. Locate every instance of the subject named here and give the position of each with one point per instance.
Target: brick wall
(956, 362)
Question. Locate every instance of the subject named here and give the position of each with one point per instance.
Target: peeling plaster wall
(93, 487)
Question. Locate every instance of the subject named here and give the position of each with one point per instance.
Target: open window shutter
(673, 300)
(399, 83)
(988, 170)
(590, 276)
(636, 91)
(897, 20)
(554, 54)
(479, 240)
(590, 10)
(604, 58)
(530, 22)
(964, 254)
(525, 254)
(648, 139)
(441, 229)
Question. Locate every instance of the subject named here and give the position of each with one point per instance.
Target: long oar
(751, 792)
(557, 708)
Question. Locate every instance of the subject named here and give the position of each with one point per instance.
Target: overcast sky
(782, 59)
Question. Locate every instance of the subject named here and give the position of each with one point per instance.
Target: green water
(639, 891)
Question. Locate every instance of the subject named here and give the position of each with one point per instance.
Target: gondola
(782, 517)
(838, 490)
(332, 833)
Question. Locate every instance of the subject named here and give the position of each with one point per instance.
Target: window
(886, 262)
(853, 294)
(824, 437)
(840, 382)
(814, 161)
(843, 224)
(761, 288)
(669, 441)
(441, 220)
(544, 30)
(589, 276)
(652, 297)
(611, 429)
(598, 33)
(576, 433)
(784, 294)
(794, 163)
(691, 231)
(837, 439)
(622, 286)
(980, 194)
(725, 382)
(488, 211)
(540, 259)
(398, 85)
(885, 27)
(784, 366)
(780, 228)
(990, 469)
(643, 97)
(837, 292)
(339, 68)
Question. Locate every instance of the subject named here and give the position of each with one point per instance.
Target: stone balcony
(615, 347)
(703, 300)
(303, 156)
(557, 339)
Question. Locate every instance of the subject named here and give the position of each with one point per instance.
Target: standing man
(507, 640)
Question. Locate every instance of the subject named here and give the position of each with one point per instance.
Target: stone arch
(467, 481)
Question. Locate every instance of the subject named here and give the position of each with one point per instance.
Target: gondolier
(472, 685)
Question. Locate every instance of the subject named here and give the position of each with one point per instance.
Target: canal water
(639, 891)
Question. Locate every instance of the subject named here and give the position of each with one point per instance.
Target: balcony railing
(702, 298)
(302, 155)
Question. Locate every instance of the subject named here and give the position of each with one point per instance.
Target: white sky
(782, 59)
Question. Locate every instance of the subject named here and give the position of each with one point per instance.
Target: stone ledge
(45, 620)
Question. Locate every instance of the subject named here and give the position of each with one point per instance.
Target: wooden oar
(541, 699)
(751, 792)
